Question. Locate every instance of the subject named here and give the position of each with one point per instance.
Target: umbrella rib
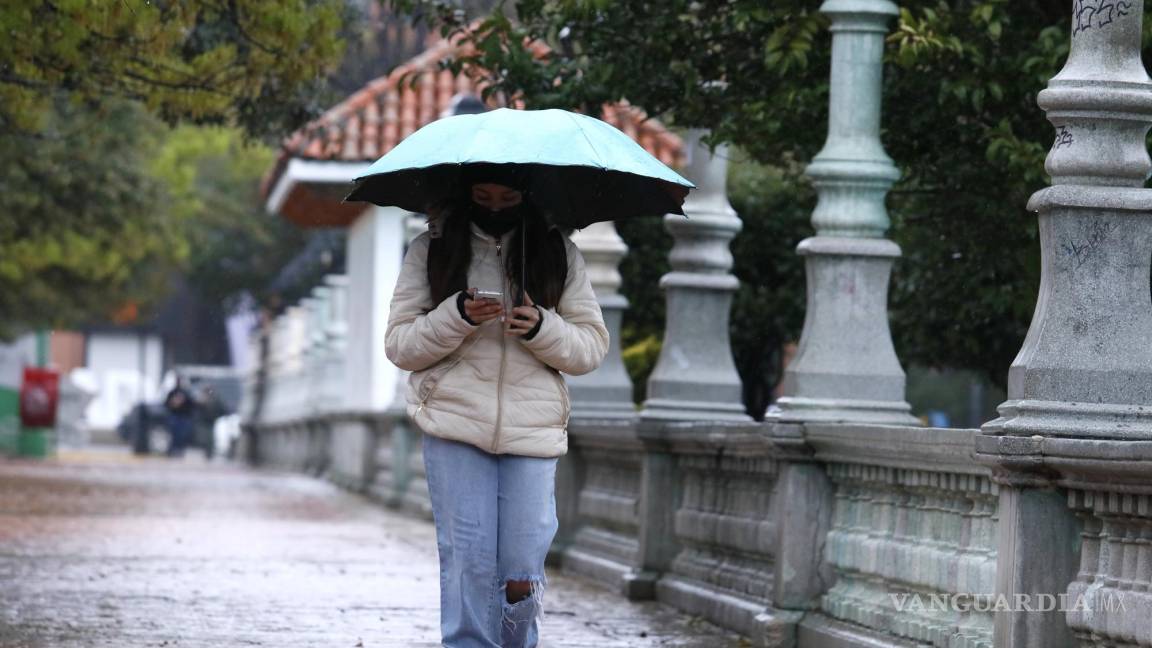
(599, 158)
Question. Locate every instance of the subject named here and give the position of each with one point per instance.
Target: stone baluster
(252, 376)
(296, 341)
(1085, 369)
(846, 367)
(336, 340)
(695, 376)
(277, 353)
(606, 392)
(312, 357)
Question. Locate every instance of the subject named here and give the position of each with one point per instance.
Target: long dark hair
(546, 262)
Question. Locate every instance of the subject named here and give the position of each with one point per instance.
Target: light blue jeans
(495, 519)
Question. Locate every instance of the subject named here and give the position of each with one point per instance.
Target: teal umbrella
(578, 169)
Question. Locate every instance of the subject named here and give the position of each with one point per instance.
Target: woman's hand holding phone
(481, 309)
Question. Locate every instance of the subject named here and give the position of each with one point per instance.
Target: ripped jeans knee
(520, 620)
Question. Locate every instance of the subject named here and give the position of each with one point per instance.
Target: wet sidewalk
(102, 549)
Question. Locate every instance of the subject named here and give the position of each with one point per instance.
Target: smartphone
(489, 294)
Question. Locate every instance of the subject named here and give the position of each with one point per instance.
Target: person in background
(181, 408)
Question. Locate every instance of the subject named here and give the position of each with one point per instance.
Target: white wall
(375, 252)
(114, 359)
(13, 358)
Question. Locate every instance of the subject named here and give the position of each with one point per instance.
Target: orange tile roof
(370, 122)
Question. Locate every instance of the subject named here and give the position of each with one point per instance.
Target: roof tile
(374, 119)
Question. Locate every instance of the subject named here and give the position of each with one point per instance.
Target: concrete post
(1085, 369)
(695, 377)
(846, 367)
(606, 392)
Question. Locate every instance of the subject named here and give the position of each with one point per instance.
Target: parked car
(154, 415)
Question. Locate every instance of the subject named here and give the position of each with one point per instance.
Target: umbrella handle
(523, 261)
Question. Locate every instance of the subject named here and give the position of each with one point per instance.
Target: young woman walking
(491, 305)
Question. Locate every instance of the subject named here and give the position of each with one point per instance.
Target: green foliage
(255, 62)
(640, 359)
(960, 119)
(86, 219)
(212, 177)
(768, 308)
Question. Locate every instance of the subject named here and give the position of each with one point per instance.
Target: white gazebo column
(1073, 432)
(374, 256)
(695, 377)
(846, 367)
(606, 392)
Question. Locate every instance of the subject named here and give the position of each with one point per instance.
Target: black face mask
(496, 223)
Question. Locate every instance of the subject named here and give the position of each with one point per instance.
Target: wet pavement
(102, 549)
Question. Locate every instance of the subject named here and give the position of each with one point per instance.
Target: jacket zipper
(500, 378)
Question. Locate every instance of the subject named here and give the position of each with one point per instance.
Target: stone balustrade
(840, 522)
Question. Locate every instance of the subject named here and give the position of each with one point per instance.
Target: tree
(212, 177)
(90, 226)
(86, 218)
(257, 63)
(960, 120)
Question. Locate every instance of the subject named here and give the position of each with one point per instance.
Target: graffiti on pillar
(1063, 137)
(1098, 14)
(1080, 251)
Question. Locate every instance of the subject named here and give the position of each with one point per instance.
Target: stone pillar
(1082, 382)
(695, 377)
(606, 392)
(846, 367)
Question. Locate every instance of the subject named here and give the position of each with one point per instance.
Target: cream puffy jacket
(474, 384)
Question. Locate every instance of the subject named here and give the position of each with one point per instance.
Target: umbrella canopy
(579, 170)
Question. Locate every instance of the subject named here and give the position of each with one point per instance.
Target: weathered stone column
(1079, 390)
(695, 377)
(606, 392)
(846, 368)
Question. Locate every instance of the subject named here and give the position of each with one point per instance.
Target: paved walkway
(103, 550)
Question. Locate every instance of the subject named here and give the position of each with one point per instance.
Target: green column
(37, 441)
